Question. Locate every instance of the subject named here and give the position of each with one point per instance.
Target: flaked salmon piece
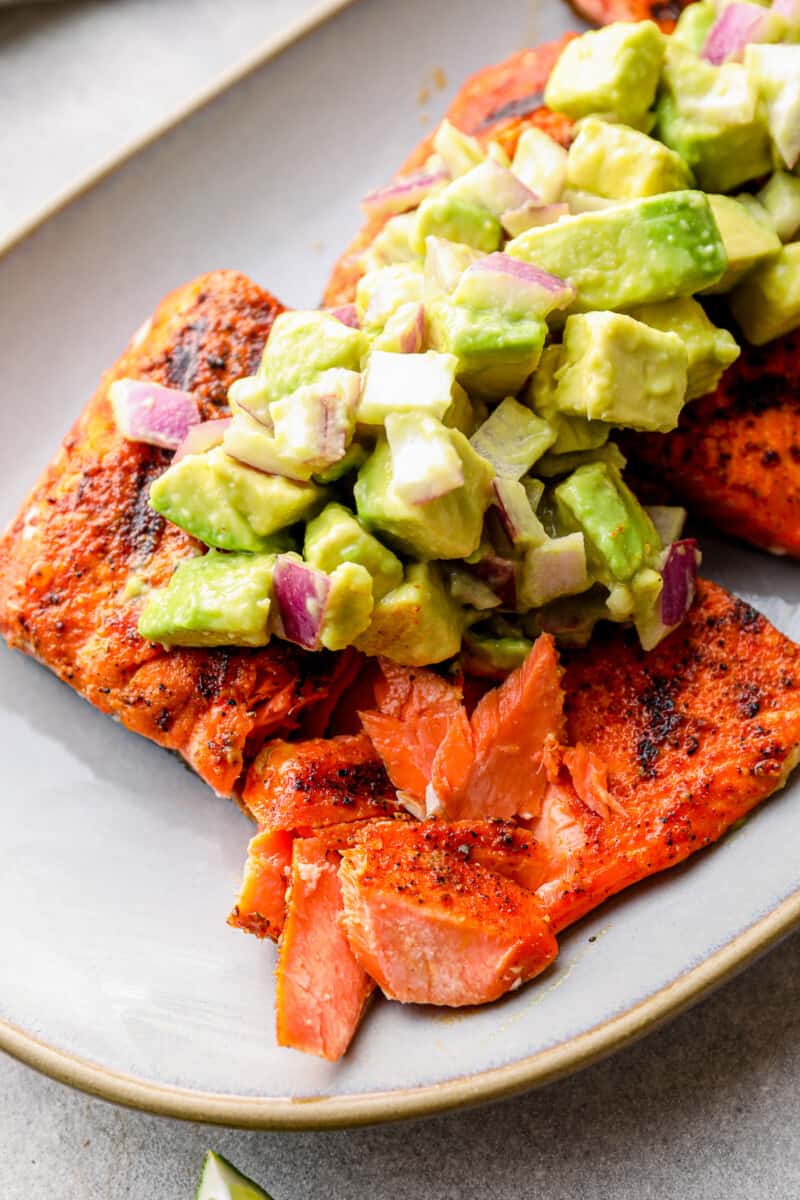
(511, 726)
(431, 927)
(501, 846)
(589, 776)
(321, 990)
(86, 545)
(498, 102)
(416, 709)
(319, 782)
(735, 456)
(261, 904)
(694, 734)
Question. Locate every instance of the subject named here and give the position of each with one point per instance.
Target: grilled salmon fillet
(735, 458)
(604, 12)
(86, 542)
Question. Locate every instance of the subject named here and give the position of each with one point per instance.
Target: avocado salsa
(433, 470)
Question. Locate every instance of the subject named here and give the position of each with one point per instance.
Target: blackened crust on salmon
(521, 106)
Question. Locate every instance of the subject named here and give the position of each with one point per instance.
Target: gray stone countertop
(708, 1108)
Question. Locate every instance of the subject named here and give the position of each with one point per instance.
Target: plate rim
(365, 1108)
(323, 1111)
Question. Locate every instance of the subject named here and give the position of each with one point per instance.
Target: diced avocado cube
(354, 458)
(747, 240)
(638, 252)
(425, 461)
(249, 441)
(416, 623)
(495, 353)
(541, 163)
(781, 199)
(315, 425)
(767, 303)
(775, 73)
(447, 527)
(693, 25)
(269, 503)
(710, 116)
(381, 292)
(456, 221)
(458, 151)
(572, 433)
(301, 345)
(513, 438)
(192, 495)
(582, 202)
(348, 608)
(556, 568)
(668, 520)
(623, 164)
(461, 414)
(393, 243)
(336, 537)
(421, 383)
(710, 349)
(620, 537)
(611, 70)
(553, 465)
(215, 600)
(445, 263)
(495, 657)
(621, 371)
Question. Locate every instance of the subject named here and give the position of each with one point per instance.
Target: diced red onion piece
(468, 588)
(346, 313)
(679, 573)
(408, 326)
(494, 187)
(788, 9)
(519, 520)
(148, 412)
(736, 25)
(403, 194)
(530, 287)
(527, 216)
(202, 437)
(501, 576)
(301, 594)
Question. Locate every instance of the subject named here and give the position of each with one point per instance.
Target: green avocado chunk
(767, 303)
(336, 537)
(228, 505)
(495, 352)
(300, 346)
(780, 197)
(416, 623)
(620, 537)
(494, 656)
(448, 527)
(638, 252)
(541, 164)
(349, 606)
(215, 600)
(711, 117)
(572, 433)
(747, 239)
(710, 349)
(457, 221)
(612, 70)
(620, 371)
(219, 1180)
(623, 164)
(693, 25)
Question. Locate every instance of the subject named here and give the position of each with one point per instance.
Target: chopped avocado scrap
(447, 527)
(215, 600)
(268, 502)
(775, 73)
(710, 116)
(461, 414)
(621, 371)
(668, 520)
(513, 438)
(381, 292)
(710, 349)
(623, 164)
(458, 151)
(620, 537)
(250, 441)
(556, 568)
(747, 240)
(457, 221)
(553, 465)
(315, 425)
(541, 163)
(336, 536)
(219, 1180)
(348, 608)
(353, 459)
(582, 202)
(421, 383)
(404, 332)
(416, 623)
(767, 303)
(393, 243)
(494, 656)
(571, 619)
(694, 23)
(301, 345)
(611, 70)
(781, 199)
(572, 433)
(193, 496)
(637, 252)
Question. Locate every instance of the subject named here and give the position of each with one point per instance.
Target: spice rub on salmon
(86, 542)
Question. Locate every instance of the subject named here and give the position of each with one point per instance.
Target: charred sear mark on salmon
(746, 617)
(662, 721)
(211, 678)
(140, 526)
(750, 700)
(183, 359)
(365, 780)
(522, 106)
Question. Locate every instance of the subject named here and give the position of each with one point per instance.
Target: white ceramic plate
(117, 866)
